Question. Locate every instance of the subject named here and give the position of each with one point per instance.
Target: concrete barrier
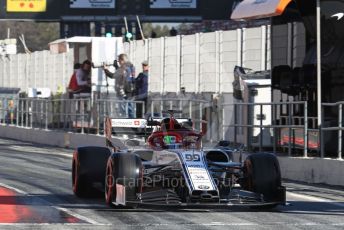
(313, 170)
(54, 138)
(309, 170)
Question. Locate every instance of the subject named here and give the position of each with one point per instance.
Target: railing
(250, 120)
(86, 115)
(190, 108)
(269, 116)
(81, 114)
(339, 128)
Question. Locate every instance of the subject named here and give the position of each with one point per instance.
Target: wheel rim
(109, 183)
(248, 175)
(74, 175)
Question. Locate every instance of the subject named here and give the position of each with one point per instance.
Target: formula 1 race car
(173, 169)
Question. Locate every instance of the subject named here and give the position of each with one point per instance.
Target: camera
(115, 64)
(100, 64)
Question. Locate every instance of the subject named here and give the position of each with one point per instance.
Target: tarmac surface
(35, 193)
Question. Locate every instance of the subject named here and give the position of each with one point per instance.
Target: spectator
(124, 86)
(141, 86)
(76, 66)
(83, 76)
(173, 32)
(153, 34)
(80, 81)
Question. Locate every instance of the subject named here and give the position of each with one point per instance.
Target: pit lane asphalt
(41, 176)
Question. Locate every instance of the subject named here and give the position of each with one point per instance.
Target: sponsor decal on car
(129, 123)
(203, 187)
(197, 171)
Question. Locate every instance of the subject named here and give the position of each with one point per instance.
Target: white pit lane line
(182, 224)
(314, 199)
(32, 149)
(65, 210)
(211, 224)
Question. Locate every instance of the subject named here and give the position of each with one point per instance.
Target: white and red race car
(173, 169)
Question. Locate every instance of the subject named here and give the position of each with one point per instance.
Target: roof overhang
(256, 9)
(77, 39)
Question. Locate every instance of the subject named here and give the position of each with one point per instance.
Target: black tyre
(79, 184)
(262, 175)
(88, 168)
(123, 169)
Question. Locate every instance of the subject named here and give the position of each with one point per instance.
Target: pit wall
(309, 170)
(313, 170)
(54, 138)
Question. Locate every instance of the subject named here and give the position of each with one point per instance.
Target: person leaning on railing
(80, 81)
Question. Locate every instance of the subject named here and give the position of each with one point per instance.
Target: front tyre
(81, 188)
(88, 170)
(110, 189)
(262, 175)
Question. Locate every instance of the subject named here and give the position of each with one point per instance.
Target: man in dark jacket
(141, 86)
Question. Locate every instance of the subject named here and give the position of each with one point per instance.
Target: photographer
(124, 85)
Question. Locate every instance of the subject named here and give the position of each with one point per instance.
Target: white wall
(190, 63)
(39, 69)
(172, 64)
(203, 62)
(230, 56)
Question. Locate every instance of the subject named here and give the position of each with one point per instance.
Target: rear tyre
(262, 175)
(80, 186)
(88, 169)
(123, 169)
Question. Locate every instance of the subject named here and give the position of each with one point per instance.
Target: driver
(166, 124)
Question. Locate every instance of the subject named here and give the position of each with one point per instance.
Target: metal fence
(300, 132)
(195, 109)
(256, 125)
(254, 121)
(337, 127)
(86, 115)
(83, 114)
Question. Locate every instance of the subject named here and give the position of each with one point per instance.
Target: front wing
(237, 197)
